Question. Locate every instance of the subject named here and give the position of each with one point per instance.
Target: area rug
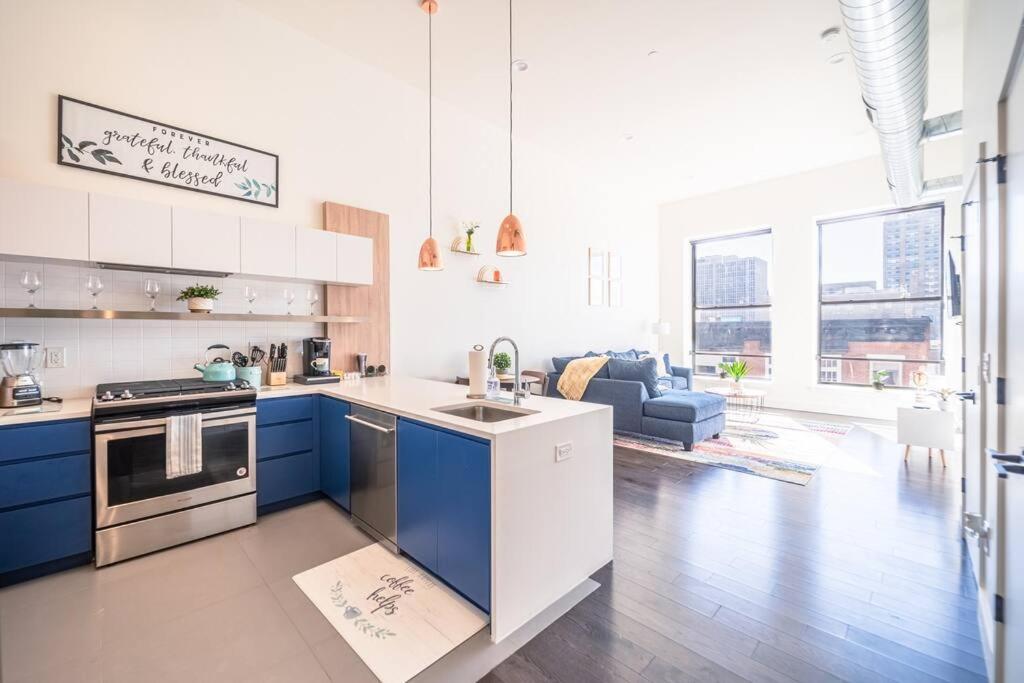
(396, 617)
(776, 447)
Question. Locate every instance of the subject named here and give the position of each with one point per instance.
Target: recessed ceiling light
(653, 53)
(628, 137)
(520, 65)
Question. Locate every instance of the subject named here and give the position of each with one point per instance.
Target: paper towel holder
(479, 348)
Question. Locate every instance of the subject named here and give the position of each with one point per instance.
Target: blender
(19, 387)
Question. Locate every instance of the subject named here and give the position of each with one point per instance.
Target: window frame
(940, 298)
(694, 352)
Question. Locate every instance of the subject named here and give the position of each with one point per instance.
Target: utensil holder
(251, 374)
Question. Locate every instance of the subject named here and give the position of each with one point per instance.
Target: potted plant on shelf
(502, 362)
(470, 227)
(737, 370)
(878, 378)
(200, 298)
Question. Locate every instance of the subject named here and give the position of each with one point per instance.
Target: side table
(926, 428)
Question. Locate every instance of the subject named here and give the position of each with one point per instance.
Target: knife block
(276, 379)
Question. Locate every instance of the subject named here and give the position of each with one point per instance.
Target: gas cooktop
(190, 386)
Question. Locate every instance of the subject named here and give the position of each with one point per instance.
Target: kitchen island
(550, 477)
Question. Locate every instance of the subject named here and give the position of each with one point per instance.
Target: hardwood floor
(723, 576)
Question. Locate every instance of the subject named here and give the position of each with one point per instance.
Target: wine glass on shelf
(250, 295)
(312, 297)
(152, 289)
(94, 286)
(31, 283)
(289, 297)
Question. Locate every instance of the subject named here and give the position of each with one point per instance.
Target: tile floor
(224, 609)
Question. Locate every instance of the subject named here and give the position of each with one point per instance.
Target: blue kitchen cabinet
(444, 506)
(418, 492)
(464, 525)
(45, 498)
(334, 450)
(287, 451)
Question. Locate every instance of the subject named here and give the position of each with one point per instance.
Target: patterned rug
(776, 447)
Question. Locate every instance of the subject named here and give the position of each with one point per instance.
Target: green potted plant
(878, 378)
(470, 227)
(737, 370)
(200, 298)
(502, 362)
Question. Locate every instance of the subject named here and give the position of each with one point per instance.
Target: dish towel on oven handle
(184, 445)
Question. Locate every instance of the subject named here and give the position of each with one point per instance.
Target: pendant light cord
(430, 120)
(510, 107)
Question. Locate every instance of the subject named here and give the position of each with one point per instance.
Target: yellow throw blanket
(578, 373)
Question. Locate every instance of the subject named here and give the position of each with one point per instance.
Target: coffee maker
(20, 387)
(316, 362)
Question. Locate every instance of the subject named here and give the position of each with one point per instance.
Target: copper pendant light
(430, 253)
(511, 240)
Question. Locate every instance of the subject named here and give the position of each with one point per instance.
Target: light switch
(563, 451)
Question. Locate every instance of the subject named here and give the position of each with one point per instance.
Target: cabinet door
(355, 259)
(205, 241)
(129, 231)
(417, 493)
(267, 248)
(284, 478)
(36, 220)
(334, 453)
(316, 255)
(464, 523)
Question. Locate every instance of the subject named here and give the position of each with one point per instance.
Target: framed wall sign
(101, 139)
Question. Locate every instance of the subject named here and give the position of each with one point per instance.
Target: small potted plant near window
(737, 370)
(502, 362)
(878, 378)
(200, 298)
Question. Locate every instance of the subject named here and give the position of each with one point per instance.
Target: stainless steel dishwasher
(373, 473)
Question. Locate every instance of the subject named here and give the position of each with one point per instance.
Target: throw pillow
(622, 355)
(645, 371)
(561, 362)
(603, 372)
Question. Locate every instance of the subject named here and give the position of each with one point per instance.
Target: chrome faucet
(517, 391)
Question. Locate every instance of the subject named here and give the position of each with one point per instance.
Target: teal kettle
(217, 370)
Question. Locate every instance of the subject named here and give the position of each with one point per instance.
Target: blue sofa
(678, 414)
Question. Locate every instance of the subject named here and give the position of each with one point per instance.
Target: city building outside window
(732, 302)
(880, 296)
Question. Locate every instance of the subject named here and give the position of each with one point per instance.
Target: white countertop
(416, 398)
(406, 396)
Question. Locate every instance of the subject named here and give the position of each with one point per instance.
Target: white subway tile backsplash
(130, 350)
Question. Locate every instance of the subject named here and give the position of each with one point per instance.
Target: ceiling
(738, 91)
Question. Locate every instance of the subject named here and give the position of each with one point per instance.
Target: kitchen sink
(484, 412)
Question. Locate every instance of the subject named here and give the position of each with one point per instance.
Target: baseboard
(38, 570)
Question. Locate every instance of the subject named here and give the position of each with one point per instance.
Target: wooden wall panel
(372, 337)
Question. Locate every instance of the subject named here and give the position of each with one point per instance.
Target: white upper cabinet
(205, 241)
(316, 255)
(268, 248)
(129, 231)
(45, 222)
(355, 259)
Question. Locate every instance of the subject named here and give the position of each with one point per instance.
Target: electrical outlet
(563, 451)
(56, 357)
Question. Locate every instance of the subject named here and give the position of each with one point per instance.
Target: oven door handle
(364, 423)
(161, 421)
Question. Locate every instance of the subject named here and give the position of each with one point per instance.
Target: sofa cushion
(629, 354)
(645, 371)
(685, 406)
(561, 361)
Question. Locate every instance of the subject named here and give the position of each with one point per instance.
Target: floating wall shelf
(458, 246)
(488, 275)
(91, 314)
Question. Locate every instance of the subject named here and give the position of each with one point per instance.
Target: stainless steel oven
(138, 508)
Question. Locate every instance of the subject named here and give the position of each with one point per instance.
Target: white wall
(344, 132)
(791, 206)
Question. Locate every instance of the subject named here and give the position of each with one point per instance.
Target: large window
(732, 303)
(880, 296)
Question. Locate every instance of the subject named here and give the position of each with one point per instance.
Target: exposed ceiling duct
(889, 46)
